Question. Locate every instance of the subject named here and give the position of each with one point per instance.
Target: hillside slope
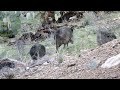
(79, 67)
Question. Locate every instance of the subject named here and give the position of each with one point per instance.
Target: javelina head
(25, 36)
(72, 27)
(32, 36)
(37, 36)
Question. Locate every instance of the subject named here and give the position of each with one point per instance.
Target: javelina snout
(37, 51)
(63, 35)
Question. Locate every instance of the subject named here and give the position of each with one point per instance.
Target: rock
(27, 68)
(93, 64)
(45, 63)
(71, 65)
(41, 61)
(112, 61)
(7, 73)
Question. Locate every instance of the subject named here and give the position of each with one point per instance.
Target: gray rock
(93, 64)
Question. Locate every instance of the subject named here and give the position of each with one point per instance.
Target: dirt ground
(79, 67)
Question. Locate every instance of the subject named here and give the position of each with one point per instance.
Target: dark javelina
(104, 36)
(26, 36)
(63, 35)
(6, 63)
(38, 35)
(42, 35)
(37, 51)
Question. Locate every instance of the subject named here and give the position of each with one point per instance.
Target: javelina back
(63, 35)
(104, 36)
(37, 51)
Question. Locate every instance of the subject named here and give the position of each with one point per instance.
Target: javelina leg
(57, 46)
(67, 44)
(71, 40)
(64, 45)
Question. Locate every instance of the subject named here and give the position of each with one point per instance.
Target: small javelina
(37, 51)
(42, 35)
(6, 63)
(104, 36)
(26, 36)
(63, 35)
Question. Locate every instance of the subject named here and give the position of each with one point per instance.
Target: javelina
(37, 36)
(32, 36)
(104, 36)
(27, 36)
(42, 34)
(37, 51)
(7, 63)
(63, 35)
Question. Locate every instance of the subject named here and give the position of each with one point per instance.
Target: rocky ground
(87, 66)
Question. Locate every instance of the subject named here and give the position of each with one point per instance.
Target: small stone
(93, 64)
(45, 63)
(27, 68)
